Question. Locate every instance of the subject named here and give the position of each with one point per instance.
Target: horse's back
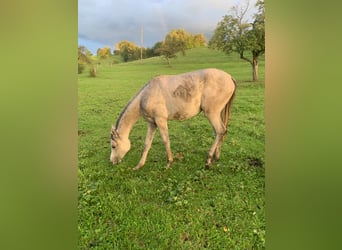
(192, 81)
(185, 95)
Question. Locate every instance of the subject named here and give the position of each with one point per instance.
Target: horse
(176, 97)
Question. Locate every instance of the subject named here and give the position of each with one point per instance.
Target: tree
(154, 51)
(104, 52)
(190, 40)
(84, 55)
(174, 42)
(180, 35)
(199, 40)
(84, 58)
(235, 34)
(129, 51)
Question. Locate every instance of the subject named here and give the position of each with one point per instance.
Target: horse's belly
(183, 113)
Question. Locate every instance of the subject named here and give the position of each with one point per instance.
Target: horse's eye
(113, 147)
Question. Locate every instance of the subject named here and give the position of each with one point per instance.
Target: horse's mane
(128, 104)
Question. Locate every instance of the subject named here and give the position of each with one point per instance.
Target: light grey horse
(176, 97)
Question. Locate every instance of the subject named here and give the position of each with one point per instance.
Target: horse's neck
(128, 117)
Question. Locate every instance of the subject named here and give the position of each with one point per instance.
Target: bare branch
(239, 11)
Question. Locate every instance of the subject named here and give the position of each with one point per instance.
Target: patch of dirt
(81, 132)
(255, 162)
(185, 237)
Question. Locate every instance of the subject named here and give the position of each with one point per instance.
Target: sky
(106, 22)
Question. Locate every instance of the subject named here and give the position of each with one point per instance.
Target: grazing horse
(176, 97)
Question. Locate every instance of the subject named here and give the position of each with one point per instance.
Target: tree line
(175, 41)
(234, 33)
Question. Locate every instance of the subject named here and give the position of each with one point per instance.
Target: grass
(185, 207)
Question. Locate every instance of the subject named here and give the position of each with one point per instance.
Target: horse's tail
(225, 113)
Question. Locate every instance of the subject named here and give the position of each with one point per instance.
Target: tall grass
(185, 207)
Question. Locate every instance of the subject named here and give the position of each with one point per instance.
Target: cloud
(108, 22)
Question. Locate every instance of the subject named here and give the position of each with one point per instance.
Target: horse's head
(119, 146)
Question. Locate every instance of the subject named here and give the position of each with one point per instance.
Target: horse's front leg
(164, 132)
(151, 130)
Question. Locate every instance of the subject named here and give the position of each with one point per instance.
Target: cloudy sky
(106, 22)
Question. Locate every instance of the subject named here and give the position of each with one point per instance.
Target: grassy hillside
(194, 59)
(185, 207)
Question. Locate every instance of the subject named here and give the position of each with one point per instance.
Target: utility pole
(141, 41)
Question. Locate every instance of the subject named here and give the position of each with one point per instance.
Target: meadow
(186, 206)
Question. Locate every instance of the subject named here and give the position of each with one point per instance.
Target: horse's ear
(114, 133)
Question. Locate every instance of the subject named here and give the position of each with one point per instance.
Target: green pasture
(186, 206)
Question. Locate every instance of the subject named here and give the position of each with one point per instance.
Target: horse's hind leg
(218, 148)
(224, 118)
(218, 151)
(220, 131)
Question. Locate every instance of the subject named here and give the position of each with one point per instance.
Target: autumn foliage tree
(104, 52)
(235, 34)
(129, 51)
(178, 41)
(172, 44)
(199, 40)
(190, 40)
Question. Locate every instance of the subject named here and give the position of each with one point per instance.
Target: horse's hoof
(207, 166)
(168, 164)
(136, 168)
